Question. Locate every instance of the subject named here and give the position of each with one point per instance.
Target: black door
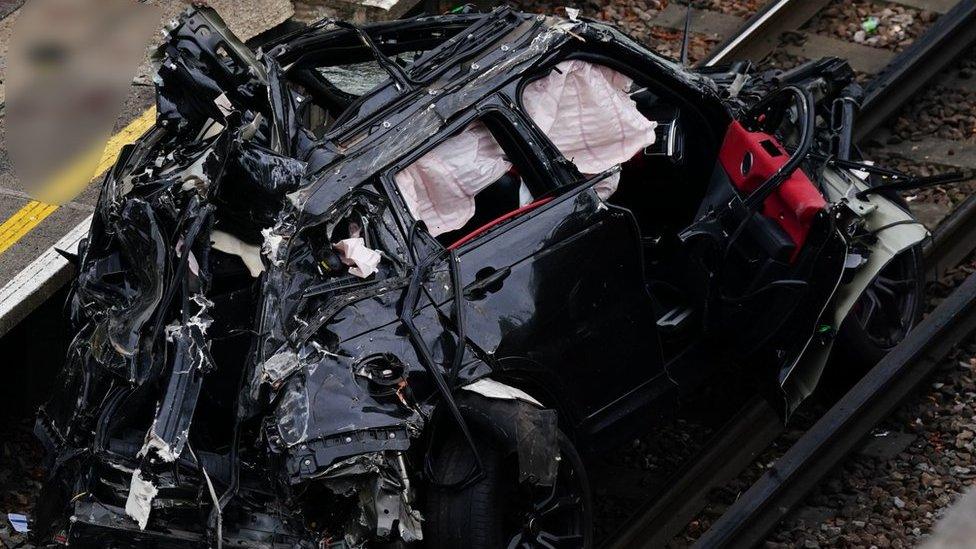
(557, 294)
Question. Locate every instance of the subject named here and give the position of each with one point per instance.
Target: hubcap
(550, 517)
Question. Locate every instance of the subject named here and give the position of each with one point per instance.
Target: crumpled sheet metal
(142, 302)
(228, 157)
(374, 479)
(328, 396)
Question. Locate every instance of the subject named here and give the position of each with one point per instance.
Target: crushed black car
(382, 285)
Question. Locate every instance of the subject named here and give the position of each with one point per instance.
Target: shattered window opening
(468, 181)
(360, 78)
(587, 112)
(334, 90)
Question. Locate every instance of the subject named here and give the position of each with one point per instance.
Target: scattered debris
(19, 522)
(888, 446)
(869, 25)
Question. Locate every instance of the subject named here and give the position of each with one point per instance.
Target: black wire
(458, 317)
(806, 103)
(855, 165)
(895, 224)
(235, 465)
(406, 318)
(410, 302)
(914, 183)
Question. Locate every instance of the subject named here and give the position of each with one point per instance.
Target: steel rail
(750, 519)
(737, 445)
(916, 66)
(953, 240)
(760, 34)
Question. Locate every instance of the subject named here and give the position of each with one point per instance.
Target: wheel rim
(550, 517)
(887, 309)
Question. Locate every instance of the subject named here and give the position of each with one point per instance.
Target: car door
(557, 294)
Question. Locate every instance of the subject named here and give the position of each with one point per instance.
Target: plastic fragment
(19, 522)
(362, 261)
(249, 254)
(870, 24)
(139, 503)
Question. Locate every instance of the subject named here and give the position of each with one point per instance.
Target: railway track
(877, 395)
(953, 240)
(747, 522)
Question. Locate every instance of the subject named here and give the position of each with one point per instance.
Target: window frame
(641, 71)
(521, 153)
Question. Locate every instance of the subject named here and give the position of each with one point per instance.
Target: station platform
(31, 232)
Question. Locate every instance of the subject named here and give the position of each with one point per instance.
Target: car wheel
(890, 307)
(498, 511)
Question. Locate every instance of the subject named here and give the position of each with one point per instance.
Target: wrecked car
(384, 285)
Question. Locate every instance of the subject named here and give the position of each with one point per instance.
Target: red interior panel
(750, 158)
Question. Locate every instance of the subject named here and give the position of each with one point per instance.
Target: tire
(861, 344)
(491, 513)
(866, 341)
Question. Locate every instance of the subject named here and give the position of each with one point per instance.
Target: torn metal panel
(493, 389)
(538, 445)
(895, 231)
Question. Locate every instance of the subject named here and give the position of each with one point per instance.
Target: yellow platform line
(71, 181)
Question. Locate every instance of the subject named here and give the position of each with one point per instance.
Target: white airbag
(585, 110)
(361, 260)
(439, 187)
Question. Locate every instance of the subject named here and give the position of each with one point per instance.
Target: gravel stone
(898, 26)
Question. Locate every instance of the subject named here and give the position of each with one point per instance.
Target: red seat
(751, 158)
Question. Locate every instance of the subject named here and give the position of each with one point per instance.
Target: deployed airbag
(361, 260)
(439, 188)
(583, 108)
(586, 111)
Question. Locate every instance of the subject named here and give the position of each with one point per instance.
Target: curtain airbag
(439, 187)
(583, 108)
(587, 113)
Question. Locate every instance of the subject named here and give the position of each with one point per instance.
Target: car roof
(475, 56)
